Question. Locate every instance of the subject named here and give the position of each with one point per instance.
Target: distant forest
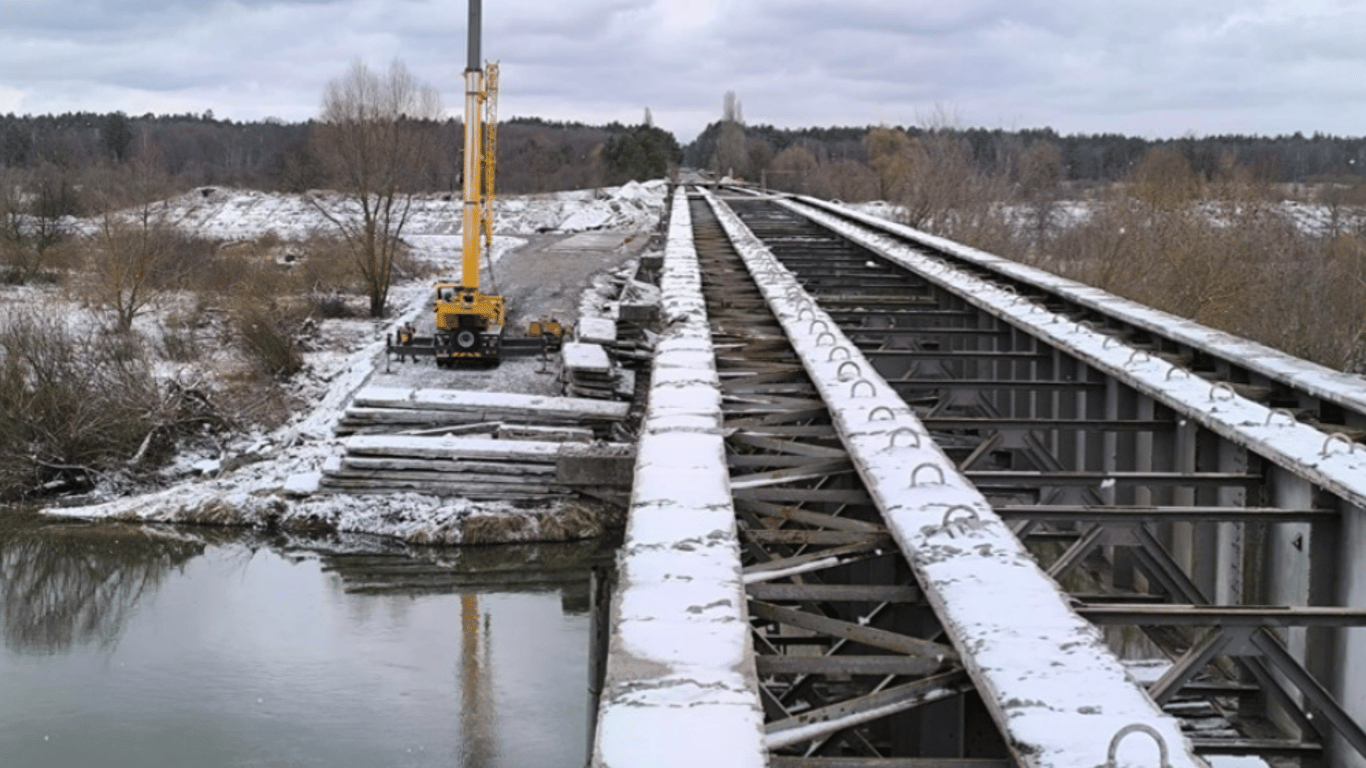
(1085, 158)
(190, 151)
(536, 155)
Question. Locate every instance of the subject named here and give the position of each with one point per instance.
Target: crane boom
(470, 323)
(474, 151)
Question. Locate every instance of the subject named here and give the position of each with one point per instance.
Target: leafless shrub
(1223, 254)
(330, 306)
(78, 407)
(268, 339)
(322, 265)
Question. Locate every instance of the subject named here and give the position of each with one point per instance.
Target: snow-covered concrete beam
(1057, 692)
(1327, 461)
(680, 688)
(1319, 381)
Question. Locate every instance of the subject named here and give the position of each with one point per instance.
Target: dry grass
(565, 522)
(1219, 251)
(1230, 261)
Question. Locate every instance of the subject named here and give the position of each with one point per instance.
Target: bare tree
(374, 139)
(135, 248)
(34, 204)
(732, 154)
(1040, 182)
(889, 155)
(794, 169)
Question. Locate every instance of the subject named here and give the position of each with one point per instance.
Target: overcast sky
(1146, 67)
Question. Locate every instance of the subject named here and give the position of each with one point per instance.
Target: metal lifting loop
(1340, 438)
(840, 348)
(944, 525)
(872, 415)
(1286, 412)
(1137, 728)
(1222, 386)
(1106, 344)
(853, 390)
(891, 439)
(821, 339)
(915, 473)
(1136, 353)
(812, 327)
(1174, 369)
(804, 310)
(839, 374)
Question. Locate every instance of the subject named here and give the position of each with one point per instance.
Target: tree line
(539, 155)
(535, 155)
(752, 151)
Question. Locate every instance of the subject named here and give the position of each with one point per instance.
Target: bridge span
(898, 502)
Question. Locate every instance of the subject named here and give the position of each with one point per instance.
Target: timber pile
(444, 411)
(590, 373)
(469, 467)
(639, 309)
(598, 330)
(480, 468)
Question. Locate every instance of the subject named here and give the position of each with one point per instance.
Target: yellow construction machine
(470, 323)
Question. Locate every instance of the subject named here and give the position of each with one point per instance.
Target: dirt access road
(545, 277)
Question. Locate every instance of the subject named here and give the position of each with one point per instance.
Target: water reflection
(476, 722)
(130, 646)
(511, 567)
(72, 583)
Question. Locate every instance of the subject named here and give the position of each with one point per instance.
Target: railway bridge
(899, 502)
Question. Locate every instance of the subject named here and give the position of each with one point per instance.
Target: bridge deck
(794, 520)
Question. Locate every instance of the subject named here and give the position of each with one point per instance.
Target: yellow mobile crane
(469, 323)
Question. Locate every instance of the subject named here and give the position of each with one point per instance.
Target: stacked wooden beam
(598, 330)
(470, 467)
(445, 411)
(590, 373)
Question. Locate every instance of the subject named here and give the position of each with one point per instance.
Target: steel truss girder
(1149, 555)
(794, 493)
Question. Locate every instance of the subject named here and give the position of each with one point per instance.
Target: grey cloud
(1147, 66)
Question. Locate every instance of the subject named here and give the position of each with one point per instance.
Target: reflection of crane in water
(477, 708)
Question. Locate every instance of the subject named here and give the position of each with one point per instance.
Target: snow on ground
(272, 487)
(239, 214)
(1311, 219)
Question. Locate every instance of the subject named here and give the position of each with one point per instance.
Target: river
(129, 645)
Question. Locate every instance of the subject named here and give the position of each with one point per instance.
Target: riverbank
(271, 482)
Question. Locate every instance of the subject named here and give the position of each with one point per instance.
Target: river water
(146, 646)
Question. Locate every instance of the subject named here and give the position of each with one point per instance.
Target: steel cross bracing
(1057, 694)
(1127, 499)
(844, 641)
(1333, 400)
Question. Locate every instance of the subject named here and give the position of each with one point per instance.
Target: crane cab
(469, 324)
